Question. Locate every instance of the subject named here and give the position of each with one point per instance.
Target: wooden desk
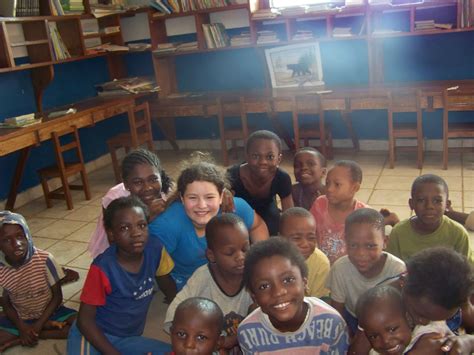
(342, 99)
(89, 112)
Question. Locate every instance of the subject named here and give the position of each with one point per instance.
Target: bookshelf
(366, 22)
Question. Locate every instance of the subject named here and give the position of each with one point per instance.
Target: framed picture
(296, 65)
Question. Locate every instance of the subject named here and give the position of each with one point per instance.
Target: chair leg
(115, 163)
(391, 141)
(445, 139)
(67, 192)
(85, 184)
(44, 184)
(330, 146)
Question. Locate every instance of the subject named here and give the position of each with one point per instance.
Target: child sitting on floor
(260, 178)
(365, 266)
(298, 226)
(309, 167)
(119, 286)
(330, 210)
(382, 316)
(429, 227)
(221, 279)
(286, 321)
(32, 295)
(466, 219)
(196, 327)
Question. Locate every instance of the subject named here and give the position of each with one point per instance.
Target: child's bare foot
(390, 218)
(71, 276)
(52, 324)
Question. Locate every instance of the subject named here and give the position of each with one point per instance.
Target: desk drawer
(14, 144)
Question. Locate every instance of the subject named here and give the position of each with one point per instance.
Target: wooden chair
(64, 169)
(232, 107)
(312, 105)
(404, 100)
(140, 133)
(461, 99)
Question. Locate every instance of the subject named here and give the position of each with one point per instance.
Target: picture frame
(297, 65)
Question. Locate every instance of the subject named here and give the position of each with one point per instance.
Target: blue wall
(438, 57)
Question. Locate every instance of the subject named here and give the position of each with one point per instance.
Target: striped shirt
(29, 286)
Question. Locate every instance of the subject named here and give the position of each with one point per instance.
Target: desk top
(89, 112)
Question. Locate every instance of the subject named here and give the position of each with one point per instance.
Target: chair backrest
(140, 122)
(404, 100)
(460, 99)
(308, 104)
(73, 143)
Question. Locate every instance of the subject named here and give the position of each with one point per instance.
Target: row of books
(166, 7)
(215, 35)
(431, 25)
(19, 8)
(467, 13)
(166, 48)
(60, 50)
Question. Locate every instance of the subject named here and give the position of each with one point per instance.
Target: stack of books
(127, 86)
(342, 32)
(20, 121)
(424, 25)
(265, 14)
(105, 10)
(138, 47)
(242, 39)
(301, 35)
(165, 48)
(192, 5)
(75, 6)
(110, 30)
(293, 11)
(60, 50)
(187, 46)
(265, 37)
(215, 35)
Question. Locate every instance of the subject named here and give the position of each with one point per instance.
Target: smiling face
(194, 332)
(278, 288)
(340, 187)
(307, 168)
(365, 245)
(229, 249)
(302, 232)
(13, 244)
(263, 158)
(429, 203)
(386, 328)
(129, 231)
(201, 201)
(144, 181)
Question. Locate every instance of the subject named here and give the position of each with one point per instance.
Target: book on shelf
(242, 39)
(266, 36)
(138, 46)
(444, 26)
(265, 14)
(215, 35)
(193, 5)
(110, 29)
(99, 11)
(19, 8)
(293, 11)
(342, 32)
(301, 35)
(20, 121)
(60, 50)
(125, 86)
(165, 48)
(187, 46)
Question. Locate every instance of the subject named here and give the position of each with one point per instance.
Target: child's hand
(459, 344)
(449, 206)
(227, 205)
(428, 344)
(28, 335)
(390, 218)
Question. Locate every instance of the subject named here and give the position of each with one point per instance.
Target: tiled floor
(65, 233)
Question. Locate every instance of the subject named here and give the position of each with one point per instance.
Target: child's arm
(360, 344)
(55, 302)
(259, 230)
(389, 218)
(89, 329)
(459, 344)
(27, 335)
(455, 215)
(287, 202)
(167, 286)
(340, 307)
